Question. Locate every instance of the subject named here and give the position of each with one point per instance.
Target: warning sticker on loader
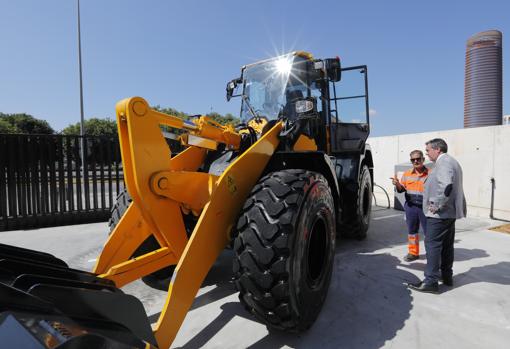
(231, 185)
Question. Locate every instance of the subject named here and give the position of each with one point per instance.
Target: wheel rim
(317, 252)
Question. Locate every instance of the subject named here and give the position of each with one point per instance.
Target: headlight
(303, 106)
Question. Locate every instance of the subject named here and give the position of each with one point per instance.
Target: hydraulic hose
(385, 192)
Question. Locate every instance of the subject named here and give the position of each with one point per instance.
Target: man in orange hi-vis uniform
(413, 184)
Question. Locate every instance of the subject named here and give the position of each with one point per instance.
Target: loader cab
(296, 85)
(271, 88)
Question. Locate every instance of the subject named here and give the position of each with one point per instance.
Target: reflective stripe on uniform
(413, 182)
(413, 244)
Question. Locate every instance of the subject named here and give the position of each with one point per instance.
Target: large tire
(159, 279)
(284, 249)
(359, 227)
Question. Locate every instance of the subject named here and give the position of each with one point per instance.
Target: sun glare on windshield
(264, 86)
(283, 65)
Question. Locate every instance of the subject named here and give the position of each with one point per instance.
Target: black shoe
(411, 257)
(423, 287)
(447, 281)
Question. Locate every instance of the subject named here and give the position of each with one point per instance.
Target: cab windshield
(268, 85)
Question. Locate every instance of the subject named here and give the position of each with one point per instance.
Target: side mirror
(231, 86)
(333, 68)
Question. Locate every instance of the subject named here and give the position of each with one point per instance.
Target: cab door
(349, 125)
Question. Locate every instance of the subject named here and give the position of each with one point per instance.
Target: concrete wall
(483, 153)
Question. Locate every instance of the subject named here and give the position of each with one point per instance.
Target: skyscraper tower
(483, 103)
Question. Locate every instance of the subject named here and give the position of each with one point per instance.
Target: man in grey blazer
(443, 203)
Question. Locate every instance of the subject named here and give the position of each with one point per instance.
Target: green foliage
(94, 149)
(172, 111)
(94, 127)
(224, 119)
(24, 123)
(221, 119)
(7, 127)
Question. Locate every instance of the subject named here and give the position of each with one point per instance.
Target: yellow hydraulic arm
(162, 187)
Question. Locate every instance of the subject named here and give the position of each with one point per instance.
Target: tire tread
(262, 247)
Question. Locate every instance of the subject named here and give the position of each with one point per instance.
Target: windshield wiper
(250, 108)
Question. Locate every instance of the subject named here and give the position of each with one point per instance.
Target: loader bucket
(46, 304)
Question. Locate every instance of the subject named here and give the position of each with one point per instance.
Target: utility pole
(82, 121)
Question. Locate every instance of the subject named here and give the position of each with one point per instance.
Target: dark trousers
(415, 217)
(439, 248)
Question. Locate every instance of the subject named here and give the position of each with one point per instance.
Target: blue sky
(180, 54)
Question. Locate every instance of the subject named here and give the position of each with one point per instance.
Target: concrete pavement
(367, 306)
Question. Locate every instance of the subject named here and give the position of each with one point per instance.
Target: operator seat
(293, 95)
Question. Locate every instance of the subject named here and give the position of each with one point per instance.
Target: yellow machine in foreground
(278, 188)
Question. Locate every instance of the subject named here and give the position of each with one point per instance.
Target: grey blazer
(443, 190)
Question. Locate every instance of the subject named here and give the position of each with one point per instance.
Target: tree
(7, 127)
(94, 127)
(172, 111)
(221, 119)
(175, 145)
(25, 123)
(95, 147)
(227, 119)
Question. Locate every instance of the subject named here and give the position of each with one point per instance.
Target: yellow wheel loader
(277, 188)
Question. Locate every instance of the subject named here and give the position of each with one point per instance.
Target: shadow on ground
(219, 275)
(461, 255)
(498, 273)
(367, 292)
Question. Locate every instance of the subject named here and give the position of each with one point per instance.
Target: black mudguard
(316, 161)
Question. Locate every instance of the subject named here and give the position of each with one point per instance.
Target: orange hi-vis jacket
(414, 183)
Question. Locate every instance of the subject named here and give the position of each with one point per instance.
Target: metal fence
(42, 182)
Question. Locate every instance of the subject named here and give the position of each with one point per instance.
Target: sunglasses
(416, 159)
